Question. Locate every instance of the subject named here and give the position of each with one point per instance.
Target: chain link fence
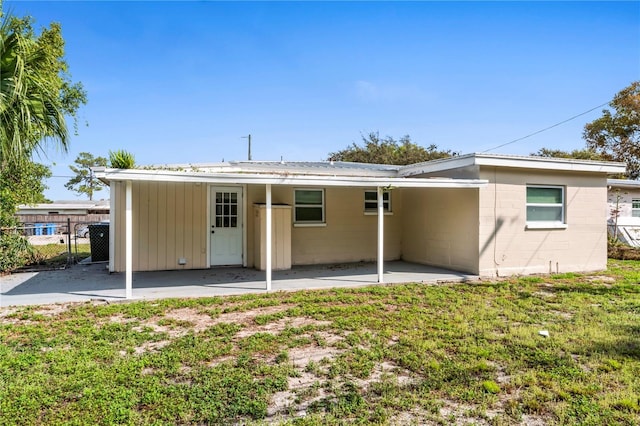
(59, 244)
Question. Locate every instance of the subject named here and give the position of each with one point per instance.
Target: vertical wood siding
(169, 223)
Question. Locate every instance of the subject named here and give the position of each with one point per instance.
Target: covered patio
(165, 219)
(86, 282)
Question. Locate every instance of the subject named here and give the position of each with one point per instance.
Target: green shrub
(121, 159)
(621, 251)
(16, 251)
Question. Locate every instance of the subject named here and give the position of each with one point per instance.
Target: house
(490, 215)
(51, 218)
(623, 210)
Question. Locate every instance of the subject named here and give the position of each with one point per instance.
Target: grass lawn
(55, 255)
(396, 354)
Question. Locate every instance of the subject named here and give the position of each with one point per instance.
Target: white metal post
(128, 243)
(380, 235)
(268, 248)
(112, 220)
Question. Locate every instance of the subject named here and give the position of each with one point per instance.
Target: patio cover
(318, 176)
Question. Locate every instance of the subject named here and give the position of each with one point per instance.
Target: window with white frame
(371, 201)
(635, 207)
(545, 204)
(308, 205)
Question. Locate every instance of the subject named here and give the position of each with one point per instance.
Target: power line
(547, 128)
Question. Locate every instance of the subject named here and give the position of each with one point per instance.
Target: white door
(226, 226)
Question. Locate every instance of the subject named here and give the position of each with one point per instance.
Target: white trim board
(540, 163)
(279, 179)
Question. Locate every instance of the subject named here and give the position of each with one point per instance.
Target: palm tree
(32, 112)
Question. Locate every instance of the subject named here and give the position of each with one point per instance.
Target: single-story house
(489, 215)
(624, 210)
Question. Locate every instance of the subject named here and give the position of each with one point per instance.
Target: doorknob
(213, 231)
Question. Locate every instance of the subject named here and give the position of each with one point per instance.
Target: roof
(282, 178)
(338, 173)
(67, 205)
(515, 161)
(342, 168)
(623, 183)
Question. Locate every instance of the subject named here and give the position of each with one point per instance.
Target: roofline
(283, 179)
(343, 168)
(501, 160)
(623, 183)
(49, 206)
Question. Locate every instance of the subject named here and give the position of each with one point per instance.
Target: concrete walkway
(92, 281)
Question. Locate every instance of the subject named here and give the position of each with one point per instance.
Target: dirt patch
(302, 392)
(8, 316)
(220, 360)
(302, 357)
(416, 416)
(14, 316)
(280, 325)
(402, 376)
(179, 322)
(248, 316)
(564, 315)
(530, 420)
(51, 310)
(120, 319)
(457, 413)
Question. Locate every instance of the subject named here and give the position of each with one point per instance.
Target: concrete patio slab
(92, 281)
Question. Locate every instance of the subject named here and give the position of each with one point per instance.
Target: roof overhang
(623, 183)
(513, 161)
(109, 175)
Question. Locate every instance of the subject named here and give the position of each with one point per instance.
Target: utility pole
(249, 139)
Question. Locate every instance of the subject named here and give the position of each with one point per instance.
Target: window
(545, 205)
(226, 209)
(308, 206)
(371, 201)
(635, 207)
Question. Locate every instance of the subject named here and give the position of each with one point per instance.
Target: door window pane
(226, 210)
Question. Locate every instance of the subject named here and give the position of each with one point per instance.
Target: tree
(580, 154)
(22, 183)
(84, 182)
(616, 135)
(36, 92)
(387, 150)
(36, 97)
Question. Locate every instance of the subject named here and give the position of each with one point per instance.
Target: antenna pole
(249, 152)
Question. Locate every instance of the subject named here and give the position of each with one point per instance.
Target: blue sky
(182, 82)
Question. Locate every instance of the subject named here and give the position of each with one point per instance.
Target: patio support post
(380, 235)
(128, 242)
(268, 248)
